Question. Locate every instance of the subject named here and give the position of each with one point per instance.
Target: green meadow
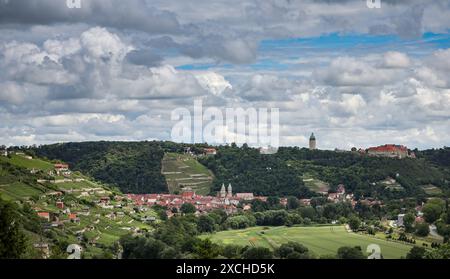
(321, 240)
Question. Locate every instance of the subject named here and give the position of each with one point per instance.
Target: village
(228, 201)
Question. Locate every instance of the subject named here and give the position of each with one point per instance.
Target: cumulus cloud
(348, 71)
(395, 59)
(213, 82)
(116, 69)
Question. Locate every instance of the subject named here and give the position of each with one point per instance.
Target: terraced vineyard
(95, 224)
(183, 170)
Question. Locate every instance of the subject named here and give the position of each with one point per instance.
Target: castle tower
(312, 142)
(223, 192)
(230, 191)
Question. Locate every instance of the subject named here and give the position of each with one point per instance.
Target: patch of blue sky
(264, 64)
(203, 66)
(349, 43)
(275, 55)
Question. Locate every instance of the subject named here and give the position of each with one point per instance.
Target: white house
(400, 218)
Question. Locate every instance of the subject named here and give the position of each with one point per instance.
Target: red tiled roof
(388, 148)
(72, 216)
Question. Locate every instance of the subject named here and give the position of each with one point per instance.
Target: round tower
(312, 142)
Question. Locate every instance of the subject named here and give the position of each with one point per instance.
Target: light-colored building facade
(312, 142)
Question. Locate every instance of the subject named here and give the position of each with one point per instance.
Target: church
(224, 194)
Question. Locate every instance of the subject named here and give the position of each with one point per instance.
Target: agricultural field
(183, 170)
(321, 240)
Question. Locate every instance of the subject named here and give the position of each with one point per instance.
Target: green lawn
(323, 240)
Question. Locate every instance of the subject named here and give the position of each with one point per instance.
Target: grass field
(183, 170)
(322, 240)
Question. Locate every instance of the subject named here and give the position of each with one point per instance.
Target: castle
(391, 151)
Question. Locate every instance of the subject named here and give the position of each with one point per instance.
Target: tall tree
(12, 239)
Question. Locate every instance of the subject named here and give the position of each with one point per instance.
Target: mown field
(322, 240)
(183, 170)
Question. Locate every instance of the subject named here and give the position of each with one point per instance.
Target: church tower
(230, 191)
(312, 142)
(223, 192)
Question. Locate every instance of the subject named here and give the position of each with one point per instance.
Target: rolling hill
(71, 209)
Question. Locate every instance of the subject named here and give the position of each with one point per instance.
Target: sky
(116, 70)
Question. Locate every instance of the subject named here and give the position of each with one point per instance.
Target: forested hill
(135, 167)
(362, 174)
(249, 171)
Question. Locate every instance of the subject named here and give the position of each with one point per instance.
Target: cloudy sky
(115, 70)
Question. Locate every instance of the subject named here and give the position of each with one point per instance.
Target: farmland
(321, 240)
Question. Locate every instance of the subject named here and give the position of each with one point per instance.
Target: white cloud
(213, 82)
(395, 59)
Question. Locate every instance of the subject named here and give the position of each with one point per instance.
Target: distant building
(245, 196)
(61, 167)
(400, 220)
(188, 193)
(44, 215)
(390, 150)
(60, 205)
(209, 151)
(3, 152)
(312, 142)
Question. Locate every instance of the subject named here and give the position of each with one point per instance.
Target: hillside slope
(134, 167)
(183, 170)
(57, 211)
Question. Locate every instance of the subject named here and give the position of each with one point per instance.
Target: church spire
(223, 192)
(230, 191)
